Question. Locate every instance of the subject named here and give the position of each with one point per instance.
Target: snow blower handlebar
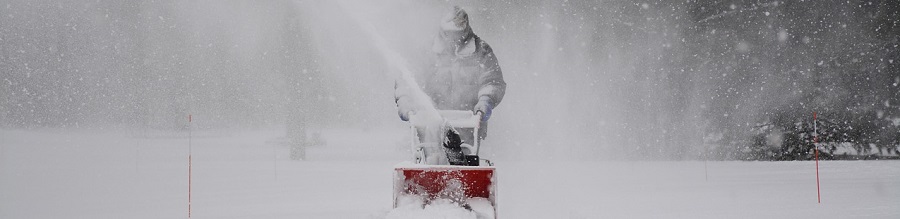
(477, 143)
(451, 118)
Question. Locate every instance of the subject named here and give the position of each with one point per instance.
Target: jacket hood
(455, 33)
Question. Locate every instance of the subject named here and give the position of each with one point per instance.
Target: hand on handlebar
(405, 115)
(485, 107)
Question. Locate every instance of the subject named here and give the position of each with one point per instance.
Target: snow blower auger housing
(433, 175)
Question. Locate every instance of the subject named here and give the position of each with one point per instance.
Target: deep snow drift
(240, 174)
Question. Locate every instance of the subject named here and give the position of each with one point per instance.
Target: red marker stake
(190, 162)
(816, 140)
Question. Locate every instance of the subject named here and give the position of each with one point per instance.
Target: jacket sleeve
(492, 85)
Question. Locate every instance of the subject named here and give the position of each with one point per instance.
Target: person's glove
(405, 106)
(404, 115)
(485, 107)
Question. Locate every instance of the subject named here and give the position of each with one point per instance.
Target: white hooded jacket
(465, 71)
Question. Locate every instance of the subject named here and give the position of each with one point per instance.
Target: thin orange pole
(816, 144)
(190, 163)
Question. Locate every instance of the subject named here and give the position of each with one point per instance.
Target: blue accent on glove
(485, 107)
(403, 116)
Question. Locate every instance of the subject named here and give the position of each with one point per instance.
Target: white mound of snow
(413, 207)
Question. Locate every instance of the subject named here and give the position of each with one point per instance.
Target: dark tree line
(781, 61)
(696, 79)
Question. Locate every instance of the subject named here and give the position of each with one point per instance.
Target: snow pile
(437, 209)
(107, 175)
(413, 207)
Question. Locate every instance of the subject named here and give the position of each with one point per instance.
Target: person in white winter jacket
(466, 74)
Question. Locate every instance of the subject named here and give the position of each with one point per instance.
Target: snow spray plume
(426, 115)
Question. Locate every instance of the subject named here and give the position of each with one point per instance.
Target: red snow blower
(447, 168)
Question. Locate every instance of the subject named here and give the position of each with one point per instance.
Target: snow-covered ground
(45, 174)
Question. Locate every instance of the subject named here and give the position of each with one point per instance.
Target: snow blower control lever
(454, 146)
(452, 149)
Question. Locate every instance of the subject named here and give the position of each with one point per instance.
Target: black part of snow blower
(453, 147)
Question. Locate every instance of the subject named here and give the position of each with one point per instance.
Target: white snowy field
(236, 174)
